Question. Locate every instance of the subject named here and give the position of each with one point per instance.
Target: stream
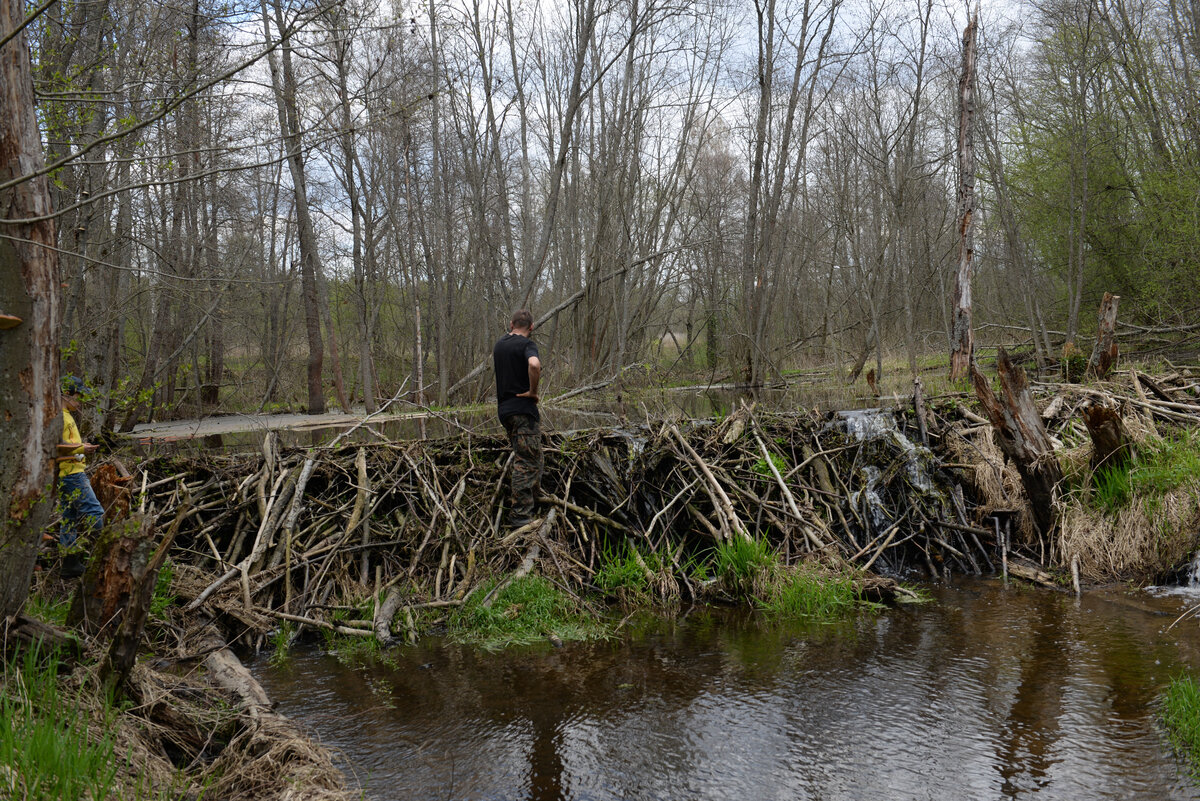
(988, 691)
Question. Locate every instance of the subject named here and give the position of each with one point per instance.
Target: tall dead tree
(962, 340)
(29, 307)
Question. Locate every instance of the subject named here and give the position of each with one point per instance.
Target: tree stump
(1104, 352)
(116, 573)
(1023, 438)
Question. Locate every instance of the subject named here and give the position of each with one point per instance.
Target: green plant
(280, 640)
(620, 572)
(521, 612)
(163, 599)
(47, 748)
(763, 469)
(50, 610)
(1111, 488)
(744, 565)
(1181, 716)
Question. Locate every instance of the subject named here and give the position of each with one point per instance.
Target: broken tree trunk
(1104, 352)
(118, 562)
(1022, 437)
(1111, 446)
(962, 338)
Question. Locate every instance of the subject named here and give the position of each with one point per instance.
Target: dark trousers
(525, 435)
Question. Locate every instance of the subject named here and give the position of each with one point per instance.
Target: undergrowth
(807, 592)
(50, 745)
(1162, 466)
(744, 566)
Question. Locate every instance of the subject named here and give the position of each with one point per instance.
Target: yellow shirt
(70, 436)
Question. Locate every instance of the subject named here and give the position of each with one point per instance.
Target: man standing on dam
(518, 371)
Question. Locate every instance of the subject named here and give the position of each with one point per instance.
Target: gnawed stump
(110, 481)
(116, 569)
(1111, 446)
(1022, 436)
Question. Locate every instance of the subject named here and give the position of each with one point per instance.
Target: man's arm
(535, 375)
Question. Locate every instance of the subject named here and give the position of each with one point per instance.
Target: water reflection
(988, 693)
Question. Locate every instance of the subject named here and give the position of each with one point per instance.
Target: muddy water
(988, 692)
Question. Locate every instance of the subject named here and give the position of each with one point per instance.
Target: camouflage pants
(526, 438)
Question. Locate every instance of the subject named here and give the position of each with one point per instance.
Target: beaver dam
(381, 540)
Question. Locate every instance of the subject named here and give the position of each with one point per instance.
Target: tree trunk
(962, 344)
(284, 83)
(1104, 352)
(1022, 436)
(29, 291)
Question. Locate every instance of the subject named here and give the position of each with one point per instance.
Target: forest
(305, 205)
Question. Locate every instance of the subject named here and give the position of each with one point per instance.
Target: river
(986, 692)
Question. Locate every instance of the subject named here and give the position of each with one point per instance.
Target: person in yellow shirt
(76, 497)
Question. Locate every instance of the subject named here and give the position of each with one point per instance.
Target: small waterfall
(1193, 573)
(867, 425)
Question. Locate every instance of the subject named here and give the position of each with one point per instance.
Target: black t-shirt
(511, 357)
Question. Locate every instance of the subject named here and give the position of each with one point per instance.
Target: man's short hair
(522, 319)
(72, 385)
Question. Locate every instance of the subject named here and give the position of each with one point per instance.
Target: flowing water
(988, 692)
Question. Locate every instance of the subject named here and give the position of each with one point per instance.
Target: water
(989, 692)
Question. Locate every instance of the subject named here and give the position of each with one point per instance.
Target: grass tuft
(1181, 716)
(808, 592)
(620, 574)
(745, 567)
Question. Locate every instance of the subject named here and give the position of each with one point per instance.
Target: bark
(29, 291)
(962, 344)
(1022, 436)
(1104, 352)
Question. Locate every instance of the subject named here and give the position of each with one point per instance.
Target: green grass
(47, 748)
(526, 611)
(620, 572)
(1162, 466)
(1112, 487)
(1181, 716)
(811, 593)
(49, 610)
(163, 599)
(744, 566)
